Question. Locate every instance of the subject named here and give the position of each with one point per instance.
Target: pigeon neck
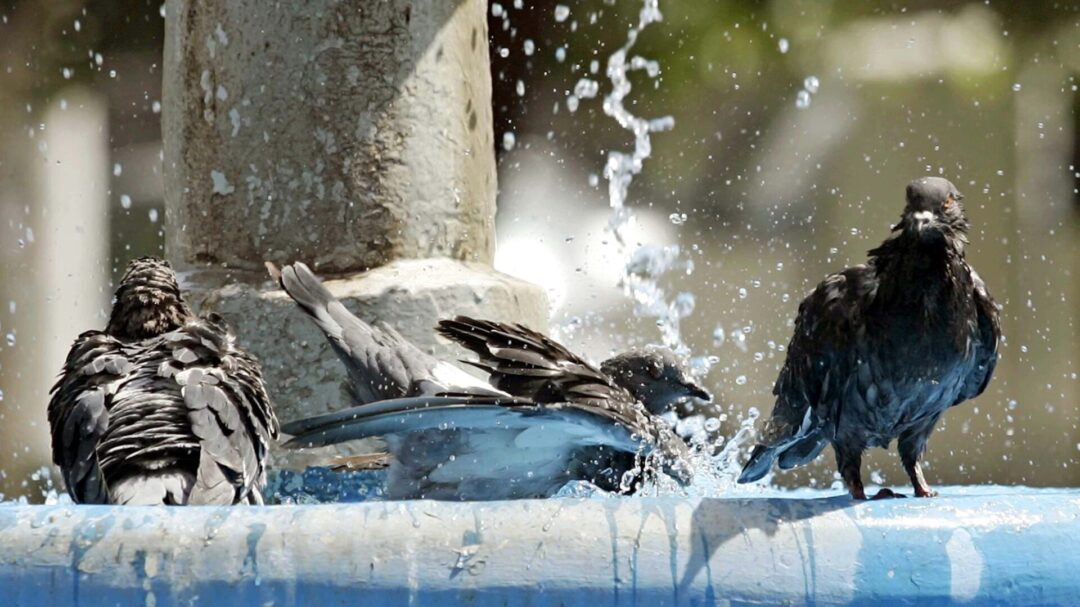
(142, 312)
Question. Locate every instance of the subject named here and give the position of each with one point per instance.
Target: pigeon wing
(986, 343)
(380, 362)
(79, 411)
(228, 410)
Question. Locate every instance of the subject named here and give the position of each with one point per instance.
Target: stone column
(353, 135)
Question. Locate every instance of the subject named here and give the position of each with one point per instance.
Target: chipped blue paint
(973, 546)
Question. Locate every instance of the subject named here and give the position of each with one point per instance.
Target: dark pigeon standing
(546, 417)
(161, 407)
(881, 350)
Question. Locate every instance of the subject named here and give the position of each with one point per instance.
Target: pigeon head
(655, 376)
(148, 301)
(934, 211)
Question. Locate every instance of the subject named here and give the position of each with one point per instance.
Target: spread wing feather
(381, 364)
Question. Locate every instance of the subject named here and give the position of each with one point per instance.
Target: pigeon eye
(948, 202)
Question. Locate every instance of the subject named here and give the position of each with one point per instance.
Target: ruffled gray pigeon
(161, 407)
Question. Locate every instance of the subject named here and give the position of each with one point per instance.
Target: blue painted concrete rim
(973, 546)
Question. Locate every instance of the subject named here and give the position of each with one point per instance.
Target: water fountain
(716, 545)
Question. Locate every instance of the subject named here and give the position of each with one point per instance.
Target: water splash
(645, 265)
(621, 167)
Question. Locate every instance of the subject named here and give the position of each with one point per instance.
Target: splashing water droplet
(718, 336)
(740, 380)
(677, 218)
(1016, 86)
(586, 88)
(811, 84)
(10, 339)
(802, 100)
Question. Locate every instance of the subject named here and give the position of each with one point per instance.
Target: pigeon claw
(886, 493)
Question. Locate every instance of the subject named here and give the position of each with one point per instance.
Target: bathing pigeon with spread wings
(161, 407)
(883, 349)
(544, 417)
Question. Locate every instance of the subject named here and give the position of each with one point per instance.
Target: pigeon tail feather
(760, 462)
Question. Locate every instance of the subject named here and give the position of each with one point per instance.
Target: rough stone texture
(344, 133)
(302, 372)
(349, 135)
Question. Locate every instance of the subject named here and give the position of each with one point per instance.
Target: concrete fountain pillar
(354, 136)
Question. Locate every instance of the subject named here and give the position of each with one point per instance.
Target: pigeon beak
(922, 219)
(698, 392)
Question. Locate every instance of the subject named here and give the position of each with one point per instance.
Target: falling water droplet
(509, 139)
(1016, 86)
(718, 336)
(125, 201)
(802, 100)
(560, 54)
(811, 84)
(10, 339)
(561, 12)
(784, 46)
(529, 47)
(153, 215)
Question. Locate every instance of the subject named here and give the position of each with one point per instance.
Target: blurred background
(796, 127)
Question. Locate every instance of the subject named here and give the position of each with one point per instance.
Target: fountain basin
(972, 546)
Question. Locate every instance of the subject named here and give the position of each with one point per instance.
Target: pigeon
(882, 350)
(544, 418)
(162, 407)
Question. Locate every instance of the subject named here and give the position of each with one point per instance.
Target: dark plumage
(881, 350)
(546, 416)
(161, 407)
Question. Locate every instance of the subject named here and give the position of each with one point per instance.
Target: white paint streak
(221, 183)
(966, 566)
(234, 118)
